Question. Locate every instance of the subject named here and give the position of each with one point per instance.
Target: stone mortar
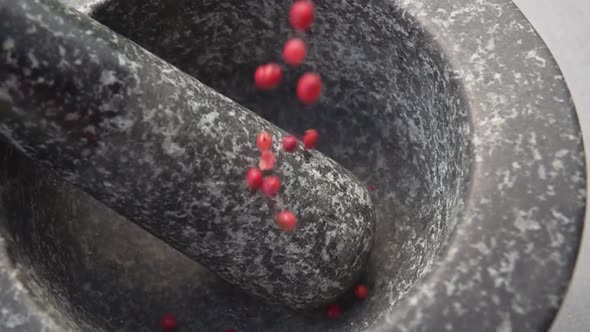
(454, 110)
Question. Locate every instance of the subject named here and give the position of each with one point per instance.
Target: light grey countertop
(565, 27)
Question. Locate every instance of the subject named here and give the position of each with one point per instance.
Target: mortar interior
(392, 113)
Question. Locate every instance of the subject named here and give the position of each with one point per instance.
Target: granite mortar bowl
(468, 137)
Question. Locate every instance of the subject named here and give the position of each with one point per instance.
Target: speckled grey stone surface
(454, 110)
(165, 151)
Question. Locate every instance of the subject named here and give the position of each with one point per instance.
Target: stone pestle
(170, 154)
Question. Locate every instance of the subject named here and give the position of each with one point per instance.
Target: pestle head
(171, 155)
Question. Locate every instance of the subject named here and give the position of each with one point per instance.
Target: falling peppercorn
(271, 185)
(294, 51)
(264, 140)
(286, 220)
(168, 323)
(290, 143)
(267, 160)
(333, 311)
(309, 88)
(310, 138)
(268, 76)
(254, 178)
(301, 15)
(361, 291)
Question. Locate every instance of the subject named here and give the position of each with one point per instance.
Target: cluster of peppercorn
(271, 184)
(309, 90)
(268, 76)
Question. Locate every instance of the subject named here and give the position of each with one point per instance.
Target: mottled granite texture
(453, 109)
(169, 154)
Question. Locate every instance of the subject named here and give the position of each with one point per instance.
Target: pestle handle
(171, 155)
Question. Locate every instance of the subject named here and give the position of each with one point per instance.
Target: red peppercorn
(268, 76)
(267, 160)
(371, 187)
(286, 220)
(290, 143)
(254, 178)
(294, 51)
(361, 291)
(334, 311)
(264, 140)
(271, 185)
(309, 88)
(301, 15)
(168, 323)
(310, 138)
